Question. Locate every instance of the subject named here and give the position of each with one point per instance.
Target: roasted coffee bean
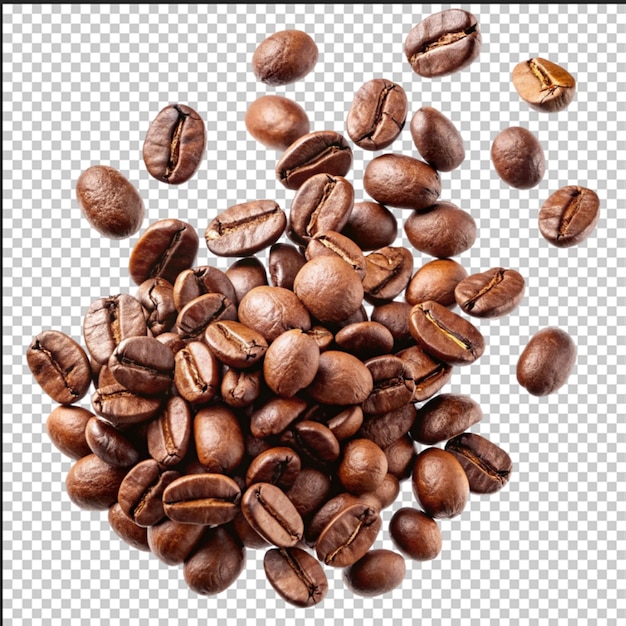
(395, 317)
(378, 572)
(445, 335)
(196, 373)
(443, 43)
(415, 534)
(240, 388)
(518, 157)
(569, 216)
(279, 466)
(169, 435)
(441, 230)
(332, 243)
(319, 152)
(385, 428)
(488, 467)
(195, 317)
(437, 139)
(156, 296)
(235, 344)
(436, 281)
(401, 457)
(109, 444)
(386, 493)
(360, 315)
(246, 274)
(309, 491)
(371, 226)
(314, 441)
(254, 447)
(428, 374)
(401, 181)
(249, 537)
(544, 85)
(377, 114)
(363, 466)
(546, 362)
(172, 340)
(243, 229)
(342, 422)
(275, 416)
(270, 512)
(284, 262)
(165, 249)
(109, 202)
(66, 428)
(444, 417)
(296, 576)
(219, 439)
(198, 281)
(60, 366)
(174, 144)
(439, 483)
(284, 57)
(327, 512)
(276, 121)
(493, 293)
(387, 273)
(393, 385)
(365, 339)
(322, 337)
(122, 408)
(134, 535)
(172, 542)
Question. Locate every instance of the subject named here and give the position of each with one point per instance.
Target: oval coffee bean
(172, 542)
(240, 388)
(243, 229)
(385, 428)
(371, 226)
(435, 281)
(219, 440)
(249, 537)
(428, 374)
(196, 373)
(235, 344)
(393, 384)
(174, 144)
(395, 317)
(387, 273)
(198, 281)
(376, 573)
(275, 416)
(120, 407)
(65, 427)
(377, 114)
(134, 535)
(246, 274)
(309, 491)
(544, 85)
(518, 158)
(169, 435)
(279, 466)
(401, 457)
(110, 445)
(415, 534)
(195, 317)
(284, 262)
(60, 366)
(92, 484)
(488, 467)
(443, 43)
(365, 339)
(569, 216)
(437, 139)
(546, 362)
(363, 466)
(296, 576)
(314, 441)
(109, 202)
(327, 512)
(156, 296)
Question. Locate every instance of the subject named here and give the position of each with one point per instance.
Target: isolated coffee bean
(332, 243)
(110, 444)
(363, 466)
(378, 572)
(174, 144)
(437, 139)
(387, 273)
(246, 274)
(435, 281)
(546, 362)
(518, 158)
(172, 542)
(284, 262)
(218, 439)
(196, 373)
(156, 296)
(276, 121)
(60, 366)
(377, 114)
(488, 467)
(443, 43)
(279, 466)
(65, 427)
(393, 384)
(134, 535)
(169, 435)
(544, 85)
(429, 375)
(365, 339)
(199, 281)
(415, 534)
(120, 407)
(385, 428)
(109, 202)
(275, 416)
(235, 344)
(569, 216)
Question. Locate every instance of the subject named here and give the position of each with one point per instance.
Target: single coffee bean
(196, 316)
(377, 114)
(60, 366)
(314, 441)
(65, 427)
(279, 466)
(385, 428)
(235, 344)
(443, 43)
(569, 216)
(156, 296)
(169, 435)
(165, 249)
(428, 374)
(493, 293)
(544, 85)
(387, 273)
(246, 274)
(439, 483)
(319, 152)
(110, 444)
(174, 144)
(284, 262)
(436, 281)
(363, 466)
(219, 439)
(309, 491)
(518, 158)
(196, 373)
(415, 534)
(393, 385)
(401, 457)
(296, 576)
(240, 388)
(386, 493)
(441, 230)
(198, 281)
(365, 339)
(445, 335)
(488, 467)
(437, 139)
(284, 57)
(134, 535)
(275, 416)
(172, 542)
(378, 572)
(109, 202)
(332, 243)
(120, 407)
(546, 362)
(249, 537)
(327, 512)
(395, 317)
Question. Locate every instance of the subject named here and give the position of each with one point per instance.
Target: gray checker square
(81, 84)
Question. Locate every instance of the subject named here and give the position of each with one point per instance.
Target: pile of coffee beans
(279, 408)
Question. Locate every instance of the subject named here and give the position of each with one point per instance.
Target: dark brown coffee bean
(122, 408)
(284, 57)
(387, 273)
(363, 466)
(196, 373)
(219, 439)
(327, 512)
(378, 572)
(371, 226)
(314, 441)
(377, 114)
(332, 243)
(109, 202)
(279, 466)
(518, 158)
(393, 385)
(441, 230)
(65, 427)
(319, 152)
(365, 339)
(342, 422)
(546, 362)
(198, 281)
(92, 484)
(493, 293)
(415, 534)
(401, 181)
(60, 366)
(444, 417)
(443, 43)
(395, 317)
(386, 428)
(249, 537)
(309, 491)
(275, 416)
(428, 374)
(240, 388)
(276, 121)
(235, 344)
(195, 317)
(439, 483)
(110, 445)
(174, 144)
(169, 435)
(544, 85)
(569, 216)
(172, 542)
(436, 281)
(487, 466)
(246, 274)
(156, 296)
(165, 249)
(401, 457)
(284, 263)
(254, 447)
(445, 335)
(134, 535)
(437, 139)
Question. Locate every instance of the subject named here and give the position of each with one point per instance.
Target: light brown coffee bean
(196, 316)
(428, 374)
(196, 373)
(544, 85)
(110, 445)
(172, 542)
(363, 466)
(219, 439)
(65, 427)
(279, 466)
(246, 274)
(235, 344)
(365, 339)
(134, 535)
(415, 534)
(435, 281)
(169, 435)
(92, 484)
(198, 281)
(156, 296)
(387, 273)
(285, 261)
(122, 408)
(276, 121)
(332, 243)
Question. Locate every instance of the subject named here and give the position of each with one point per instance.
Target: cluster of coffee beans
(265, 408)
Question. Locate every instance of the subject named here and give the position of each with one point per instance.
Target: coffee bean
(393, 385)
(134, 535)
(385, 428)
(196, 316)
(428, 374)
(387, 273)
(518, 158)
(240, 388)
(344, 423)
(435, 281)
(66, 428)
(493, 293)
(443, 43)
(275, 416)
(488, 467)
(309, 491)
(156, 296)
(109, 202)
(249, 537)
(174, 144)
(276, 121)
(569, 216)
(279, 466)
(371, 226)
(322, 337)
(172, 340)
(169, 435)
(377, 114)
(544, 85)
(284, 263)
(219, 439)
(546, 362)
(401, 457)
(415, 534)
(246, 274)
(395, 317)
(235, 344)
(199, 281)
(437, 139)
(172, 542)
(120, 407)
(378, 572)
(332, 243)
(110, 445)
(327, 512)
(363, 466)
(196, 373)
(365, 339)
(314, 441)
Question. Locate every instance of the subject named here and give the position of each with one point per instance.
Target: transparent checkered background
(80, 87)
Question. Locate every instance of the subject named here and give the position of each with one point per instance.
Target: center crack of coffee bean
(171, 448)
(485, 466)
(143, 501)
(424, 380)
(280, 469)
(128, 362)
(114, 319)
(245, 347)
(331, 557)
(308, 582)
(327, 243)
(195, 374)
(458, 339)
(223, 228)
(329, 187)
(63, 373)
(571, 209)
(379, 114)
(498, 278)
(273, 513)
(175, 143)
(444, 40)
(320, 156)
(156, 270)
(391, 267)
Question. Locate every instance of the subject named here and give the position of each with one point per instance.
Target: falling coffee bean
(544, 85)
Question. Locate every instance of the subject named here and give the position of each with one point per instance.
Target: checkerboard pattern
(81, 84)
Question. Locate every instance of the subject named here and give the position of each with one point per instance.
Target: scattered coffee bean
(387, 273)
(378, 572)
(428, 374)
(436, 281)
(172, 542)
(134, 535)
(110, 445)
(246, 274)
(276, 121)
(518, 158)
(199, 281)
(156, 296)
(415, 534)
(284, 262)
(66, 428)
(332, 243)
(169, 435)
(437, 139)
(235, 344)
(544, 85)
(371, 226)
(363, 466)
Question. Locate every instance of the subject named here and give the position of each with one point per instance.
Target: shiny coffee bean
(235, 344)
(415, 534)
(401, 457)
(169, 435)
(284, 262)
(172, 542)
(218, 439)
(365, 339)
(393, 385)
(134, 535)
(309, 490)
(275, 416)
(385, 494)
(332, 243)
(246, 274)
(378, 572)
(123, 408)
(240, 388)
(196, 373)
(65, 427)
(276, 121)
(279, 466)
(385, 428)
(429, 375)
(437, 139)
(92, 484)
(518, 158)
(395, 317)
(314, 441)
(344, 423)
(109, 444)
(156, 296)
(363, 466)
(387, 273)
(435, 281)
(196, 316)
(327, 512)
(198, 281)
(544, 85)
(371, 226)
